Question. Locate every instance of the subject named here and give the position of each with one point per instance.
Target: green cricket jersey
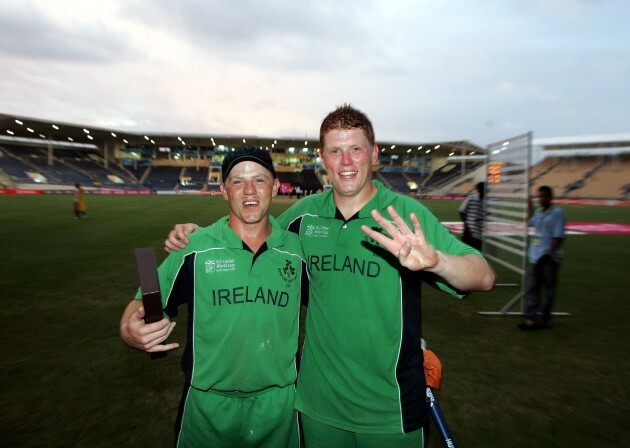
(362, 364)
(243, 308)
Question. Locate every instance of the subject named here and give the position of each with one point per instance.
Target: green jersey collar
(325, 202)
(222, 231)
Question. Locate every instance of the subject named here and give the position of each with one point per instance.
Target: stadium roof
(605, 139)
(50, 132)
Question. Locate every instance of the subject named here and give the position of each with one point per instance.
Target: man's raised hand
(410, 247)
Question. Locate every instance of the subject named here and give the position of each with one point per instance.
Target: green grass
(68, 381)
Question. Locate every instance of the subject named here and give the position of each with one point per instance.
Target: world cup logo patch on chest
(226, 265)
(314, 231)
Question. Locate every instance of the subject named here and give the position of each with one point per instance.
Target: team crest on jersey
(288, 272)
(316, 231)
(213, 266)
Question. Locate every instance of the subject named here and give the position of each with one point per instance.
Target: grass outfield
(68, 381)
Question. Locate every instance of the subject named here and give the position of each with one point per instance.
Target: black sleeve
(182, 291)
(295, 226)
(305, 285)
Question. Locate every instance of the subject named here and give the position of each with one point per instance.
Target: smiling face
(348, 156)
(248, 189)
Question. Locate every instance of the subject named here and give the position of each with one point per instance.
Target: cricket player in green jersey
(241, 279)
(361, 382)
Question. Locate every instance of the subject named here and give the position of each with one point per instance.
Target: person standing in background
(471, 211)
(544, 256)
(79, 202)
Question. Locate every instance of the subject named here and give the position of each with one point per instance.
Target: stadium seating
(93, 166)
(163, 177)
(566, 174)
(608, 180)
(605, 177)
(396, 180)
(28, 165)
(465, 187)
(447, 173)
(417, 178)
(543, 167)
(137, 170)
(56, 173)
(194, 178)
(15, 168)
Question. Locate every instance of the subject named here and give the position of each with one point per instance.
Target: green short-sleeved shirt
(361, 368)
(243, 308)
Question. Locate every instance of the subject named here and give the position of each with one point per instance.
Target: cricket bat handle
(150, 288)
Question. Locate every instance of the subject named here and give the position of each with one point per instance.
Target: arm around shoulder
(178, 237)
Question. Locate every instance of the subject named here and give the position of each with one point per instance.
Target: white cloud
(421, 70)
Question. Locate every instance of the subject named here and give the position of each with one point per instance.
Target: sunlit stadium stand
(589, 176)
(609, 179)
(544, 167)
(567, 172)
(584, 166)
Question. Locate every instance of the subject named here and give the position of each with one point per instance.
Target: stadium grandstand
(583, 167)
(53, 156)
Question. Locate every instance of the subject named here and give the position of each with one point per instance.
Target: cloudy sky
(423, 70)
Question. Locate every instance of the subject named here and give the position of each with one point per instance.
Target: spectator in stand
(471, 212)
